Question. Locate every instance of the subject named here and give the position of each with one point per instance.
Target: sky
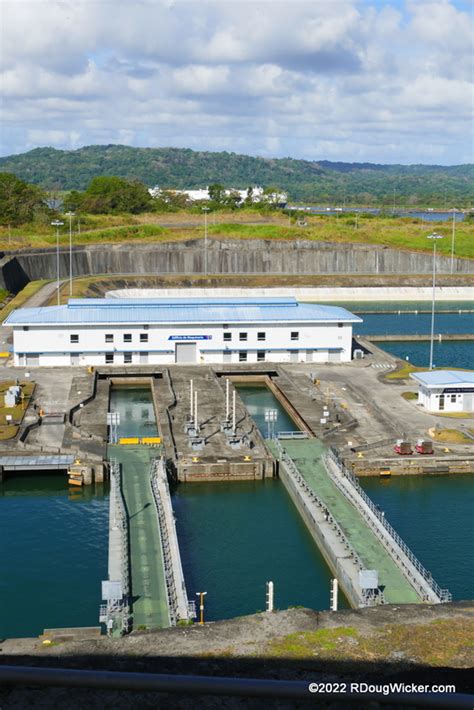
(340, 80)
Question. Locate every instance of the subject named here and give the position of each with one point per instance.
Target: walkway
(149, 597)
(307, 456)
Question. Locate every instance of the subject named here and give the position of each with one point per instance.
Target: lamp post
(57, 223)
(453, 236)
(70, 215)
(205, 210)
(434, 236)
(201, 596)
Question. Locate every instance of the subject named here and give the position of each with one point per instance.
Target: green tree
(108, 195)
(217, 193)
(19, 201)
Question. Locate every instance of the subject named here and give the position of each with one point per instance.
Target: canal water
(234, 537)
(53, 553)
(135, 407)
(433, 515)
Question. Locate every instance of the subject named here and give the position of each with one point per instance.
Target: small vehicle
(424, 447)
(403, 447)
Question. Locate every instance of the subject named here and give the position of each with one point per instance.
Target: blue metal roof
(192, 300)
(445, 378)
(110, 311)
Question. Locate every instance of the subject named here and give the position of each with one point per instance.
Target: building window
(243, 356)
(144, 337)
(242, 336)
(227, 336)
(74, 338)
(127, 337)
(453, 398)
(127, 357)
(295, 335)
(109, 358)
(340, 325)
(261, 336)
(260, 355)
(109, 338)
(26, 327)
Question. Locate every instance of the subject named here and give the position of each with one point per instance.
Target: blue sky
(349, 80)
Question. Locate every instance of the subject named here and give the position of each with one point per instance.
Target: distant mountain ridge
(316, 181)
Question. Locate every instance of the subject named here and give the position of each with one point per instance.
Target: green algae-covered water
(53, 553)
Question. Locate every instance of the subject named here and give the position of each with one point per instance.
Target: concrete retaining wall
(229, 256)
(339, 561)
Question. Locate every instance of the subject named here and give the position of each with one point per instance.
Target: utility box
(12, 396)
(368, 579)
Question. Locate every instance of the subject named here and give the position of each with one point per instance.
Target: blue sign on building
(190, 337)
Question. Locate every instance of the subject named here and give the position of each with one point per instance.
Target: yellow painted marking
(151, 440)
(129, 440)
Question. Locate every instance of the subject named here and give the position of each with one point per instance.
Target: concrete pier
(216, 459)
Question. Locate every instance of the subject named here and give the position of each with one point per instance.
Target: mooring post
(269, 596)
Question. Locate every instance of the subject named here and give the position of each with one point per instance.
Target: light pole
(201, 596)
(434, 237)
(57, 223)
(70, 215)
(453, 236)
(205, 210)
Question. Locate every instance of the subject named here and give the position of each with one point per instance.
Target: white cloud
(308, 78)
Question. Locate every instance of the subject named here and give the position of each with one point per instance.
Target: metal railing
(158, 470)
(292, 435)
(304, 487)
(120, 607)
(443, 595)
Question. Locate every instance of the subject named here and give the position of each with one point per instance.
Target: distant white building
(202, 195)
(112, 331)
(445, 390)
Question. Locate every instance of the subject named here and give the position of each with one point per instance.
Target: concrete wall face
(224, 257)
(156, 345)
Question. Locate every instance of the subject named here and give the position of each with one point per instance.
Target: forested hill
(325, 182)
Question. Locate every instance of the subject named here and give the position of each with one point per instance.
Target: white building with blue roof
(162, 331)
(445, 390)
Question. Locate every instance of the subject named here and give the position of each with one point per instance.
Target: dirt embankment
(428, 644)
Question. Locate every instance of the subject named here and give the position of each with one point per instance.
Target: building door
(294, 355)
(143, 358)
(334, 356)
(309, 356)
(185, 353)
(32, 360)
(74, 358)
(441, 402)
(227, 356)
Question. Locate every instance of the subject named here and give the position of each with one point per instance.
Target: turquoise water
(137, 414)
(433, 514)
(234, 537)
(53, 552)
